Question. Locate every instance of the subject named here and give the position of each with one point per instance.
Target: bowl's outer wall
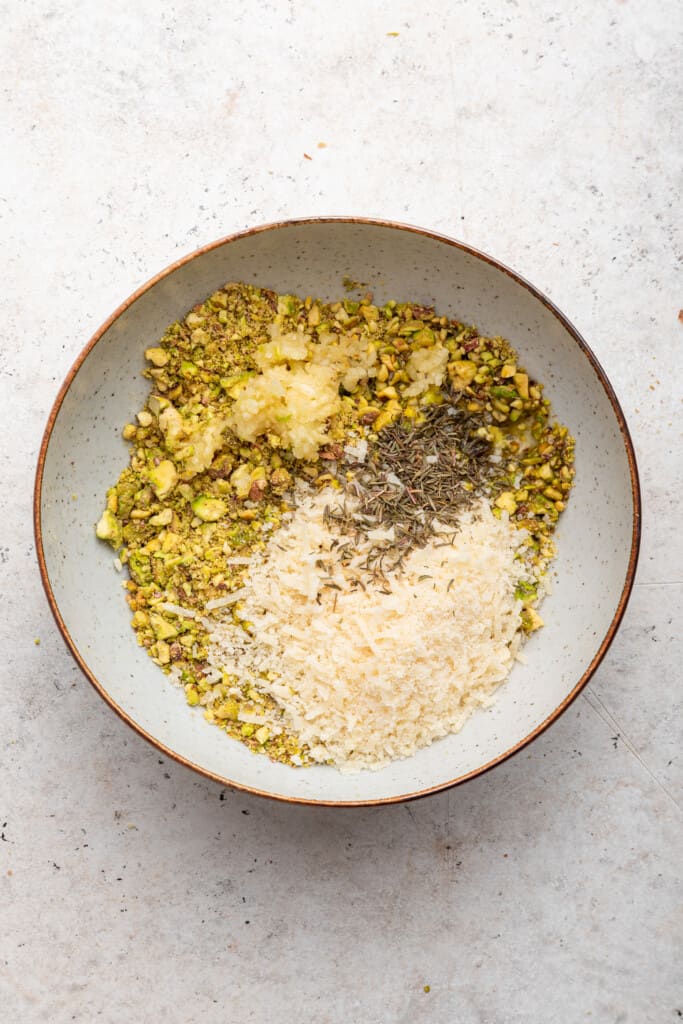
(85, 455)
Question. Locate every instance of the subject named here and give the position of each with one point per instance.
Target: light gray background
(548, 134)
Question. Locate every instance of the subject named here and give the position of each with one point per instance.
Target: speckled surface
(545, 891)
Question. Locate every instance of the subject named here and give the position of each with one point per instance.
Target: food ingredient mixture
(337, 520)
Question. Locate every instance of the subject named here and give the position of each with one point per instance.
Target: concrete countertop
(546, 134)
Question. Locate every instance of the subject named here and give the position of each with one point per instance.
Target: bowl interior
(85, 454)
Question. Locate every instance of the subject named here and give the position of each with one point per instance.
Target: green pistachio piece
(109, 528)
(241, 480)
(209, 510)
(525, 591)
(531, 620)
(155, 403)
(163, 478)
(506, 502)
(500, 391)
(423, 338)
(157, 356)
(462, 372)
(163, 630)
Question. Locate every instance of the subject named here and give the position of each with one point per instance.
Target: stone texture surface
(547, 134)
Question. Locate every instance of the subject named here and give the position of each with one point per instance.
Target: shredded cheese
(362, 676)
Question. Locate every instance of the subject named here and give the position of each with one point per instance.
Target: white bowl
(82, 453)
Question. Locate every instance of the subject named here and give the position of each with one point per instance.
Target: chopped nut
(162, 518)
(462, 373)
(280, 480)
(506, 502)
(163, 629)
(157, 356)
(241, 480)
(257, 490)
(109, 528)
(163, 478)
(209, 510)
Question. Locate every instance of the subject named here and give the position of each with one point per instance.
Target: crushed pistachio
(252, 391)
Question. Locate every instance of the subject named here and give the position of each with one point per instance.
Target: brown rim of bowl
(600, 374)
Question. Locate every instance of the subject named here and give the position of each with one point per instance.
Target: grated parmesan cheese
(361, 676)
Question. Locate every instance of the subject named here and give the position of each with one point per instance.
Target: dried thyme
(420, 477)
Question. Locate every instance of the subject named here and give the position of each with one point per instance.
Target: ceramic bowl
(83, 453)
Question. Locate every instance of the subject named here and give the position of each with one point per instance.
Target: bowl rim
(477, 254)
